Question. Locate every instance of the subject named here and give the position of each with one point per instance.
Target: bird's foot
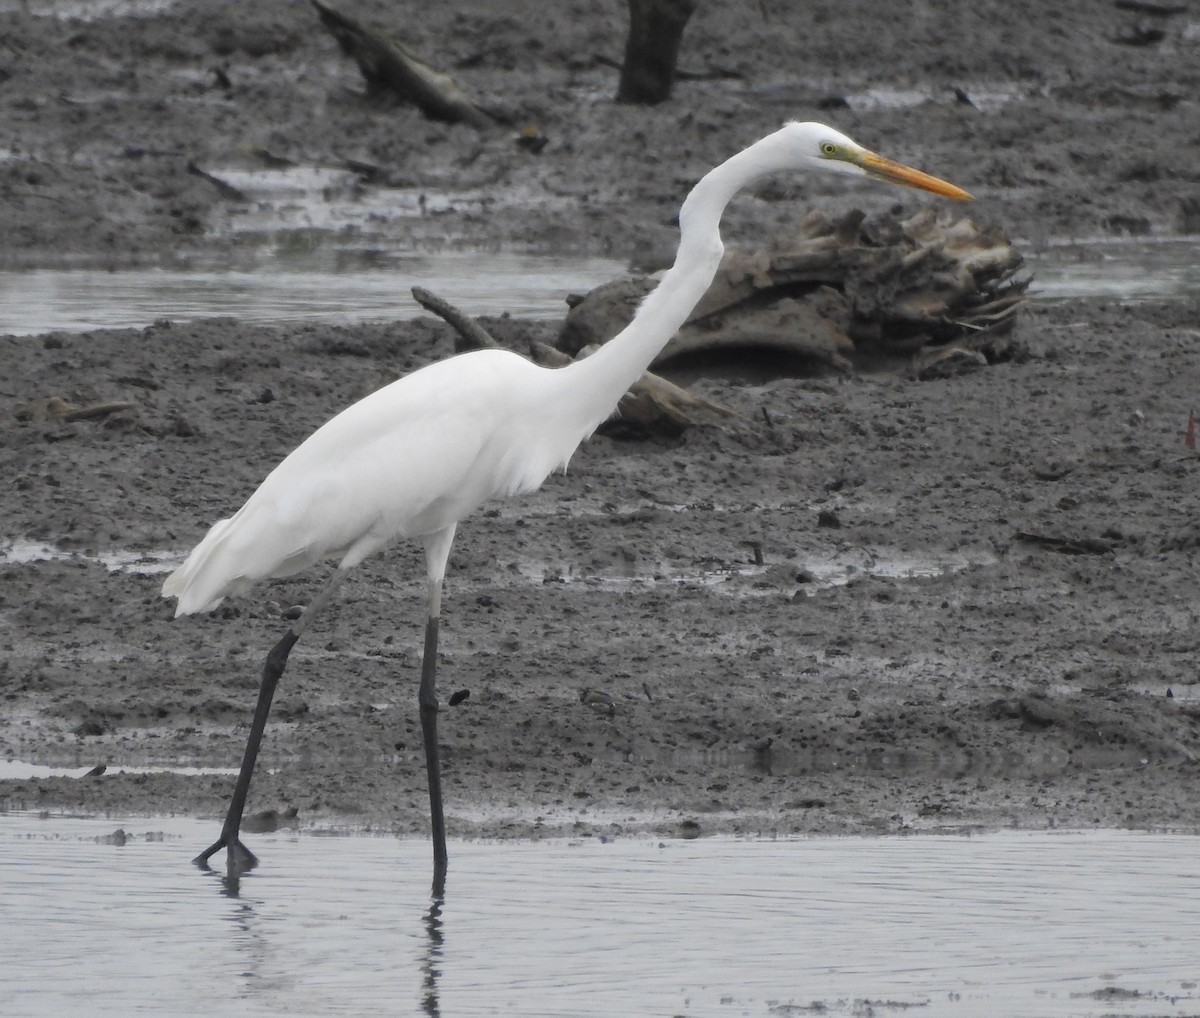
(240, 858)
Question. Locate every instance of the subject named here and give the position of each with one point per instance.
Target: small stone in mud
(807, 804)
(598, 699)
(269, 820)
(181, 427)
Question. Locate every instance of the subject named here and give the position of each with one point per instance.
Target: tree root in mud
(934, 291)
(937, 293)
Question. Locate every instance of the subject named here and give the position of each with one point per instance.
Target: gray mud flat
(1012, 636)
(1071, 131)
(958, 673)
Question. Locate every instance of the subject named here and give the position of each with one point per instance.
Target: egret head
(822, 148)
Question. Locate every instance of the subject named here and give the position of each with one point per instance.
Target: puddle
(76, 300)
(1009, 924)
(316, 205)
(1133, 268)
(950, 762)
(947, 762)
(22, 770)
(87, 10)
(22, 553)
(311, 278)
(765, 579)
(983, 96)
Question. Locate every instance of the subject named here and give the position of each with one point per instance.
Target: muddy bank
(902, 657)
(1070, 128)
(976, 596)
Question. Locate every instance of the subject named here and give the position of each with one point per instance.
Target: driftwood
(390, 69)
(1067, 545)
(224, 189)
(651, 406)
(56, 408)
(472, 335)
(930, 288)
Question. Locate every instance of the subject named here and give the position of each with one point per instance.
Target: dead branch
(472, 335)
(389, 67)
(224, 189)
(56, 408)
(652, 405)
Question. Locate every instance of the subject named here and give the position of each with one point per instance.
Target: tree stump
(652, 49)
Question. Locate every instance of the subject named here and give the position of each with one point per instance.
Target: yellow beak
(898, 173)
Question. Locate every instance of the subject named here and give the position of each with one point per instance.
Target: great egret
(415, 457)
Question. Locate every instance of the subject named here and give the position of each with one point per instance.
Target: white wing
(407, 461)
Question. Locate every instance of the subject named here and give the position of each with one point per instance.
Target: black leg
(240, 857)
(429, 712)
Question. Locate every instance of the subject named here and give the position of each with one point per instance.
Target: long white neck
(597, 382)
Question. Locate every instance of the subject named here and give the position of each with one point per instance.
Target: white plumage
(409, 460)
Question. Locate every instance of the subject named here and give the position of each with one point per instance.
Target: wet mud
(868, 603)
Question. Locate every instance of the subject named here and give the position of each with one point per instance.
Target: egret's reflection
(432, 965)
(231, 877)
(256, 948)
(254, 936)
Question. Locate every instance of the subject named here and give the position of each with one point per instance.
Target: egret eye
(828, 149)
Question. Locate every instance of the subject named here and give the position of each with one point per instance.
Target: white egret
(415, 457)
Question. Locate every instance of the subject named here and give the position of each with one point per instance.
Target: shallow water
(76, 300)
(1130, 268)
(86, 10)
(22, 552)
(325, 284)
(826, 570)
(1011, 923)
(22, 770)
(765, 579)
